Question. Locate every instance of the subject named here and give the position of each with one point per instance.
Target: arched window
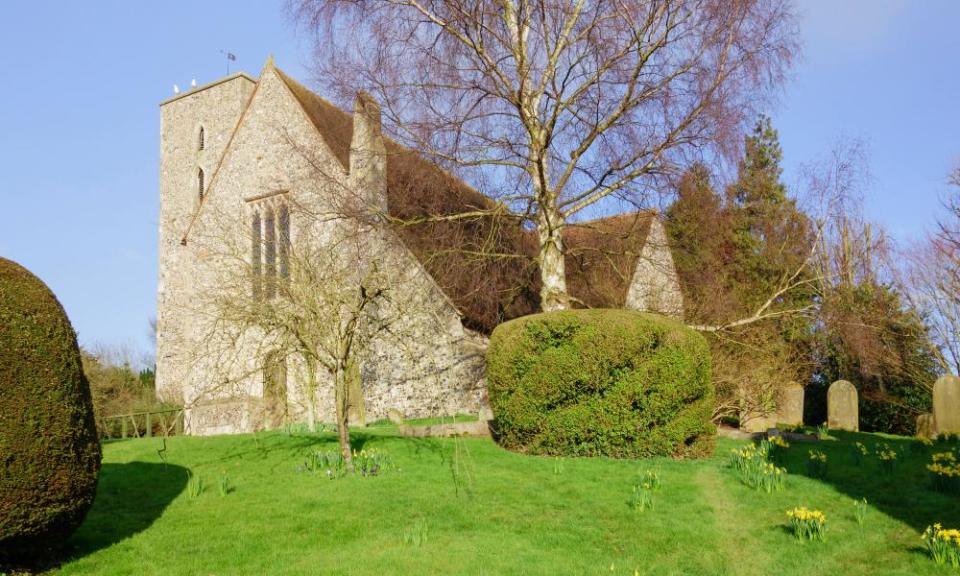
(284, 245)
(270, 250)
(200, 184)
(270, 256)
(201, 139)
(255, 261)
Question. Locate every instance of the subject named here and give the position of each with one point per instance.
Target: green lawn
(508, 513)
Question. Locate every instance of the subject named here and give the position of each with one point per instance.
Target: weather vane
(231, 57)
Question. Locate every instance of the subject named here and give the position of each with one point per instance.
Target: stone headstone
(750, 422)
(395, 416)
(926, 426)
(790, 405)
(946, 405)
(843, 411)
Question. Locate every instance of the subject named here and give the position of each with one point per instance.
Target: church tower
(195, 128)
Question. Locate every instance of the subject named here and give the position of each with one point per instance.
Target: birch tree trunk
(611, 94)
(553, 292)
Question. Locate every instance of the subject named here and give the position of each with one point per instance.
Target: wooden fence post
(126, 420)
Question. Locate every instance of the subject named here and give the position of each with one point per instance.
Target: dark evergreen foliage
(733, 251)
(49, 452)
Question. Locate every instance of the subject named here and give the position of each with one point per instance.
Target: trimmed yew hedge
(49, 452)
(601, 382)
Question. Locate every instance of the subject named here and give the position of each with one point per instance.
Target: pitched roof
(486, 265)
(601, 257)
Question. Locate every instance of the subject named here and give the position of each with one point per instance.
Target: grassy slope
(522, 517)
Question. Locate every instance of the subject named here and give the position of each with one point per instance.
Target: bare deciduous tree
(317, 306)
(932, 278)
(556, 106)
(870, 331)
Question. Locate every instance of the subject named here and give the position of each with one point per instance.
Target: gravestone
(790, 405)
(946, 405)
(926, 426)
(751, 422)
(843, 412)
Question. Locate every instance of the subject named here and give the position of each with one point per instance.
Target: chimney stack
(368, 155)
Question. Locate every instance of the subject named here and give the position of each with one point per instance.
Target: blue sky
(79, 124)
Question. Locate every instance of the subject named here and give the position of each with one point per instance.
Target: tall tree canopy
(746, 254)
(556, 106)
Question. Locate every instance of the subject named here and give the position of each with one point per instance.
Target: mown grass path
(485, 511)
(732, 527)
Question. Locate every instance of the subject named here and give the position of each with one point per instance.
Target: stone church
(255, 150)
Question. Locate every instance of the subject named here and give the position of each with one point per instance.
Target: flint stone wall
(437, 370)
(655, 286)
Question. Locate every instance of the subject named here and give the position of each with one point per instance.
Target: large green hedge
(49, 453)
(601, 382)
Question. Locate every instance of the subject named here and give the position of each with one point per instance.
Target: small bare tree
(320, 303)
(556, 106)
(869, 329)
(932, 279)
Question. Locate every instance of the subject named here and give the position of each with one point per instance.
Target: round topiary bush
(49, 453)
(601, 382)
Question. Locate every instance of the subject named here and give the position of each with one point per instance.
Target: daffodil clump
(744, 457)
(943, 545)
(365, 463)
(921, 444)
(860, 510)
(807, 524)
(778, 449)
(371, 462)
(944, 472)
(817, 464)
(643, 491)
(887, 457)
(779, 442)
(753, 465)
(859, 452)
(652, 477)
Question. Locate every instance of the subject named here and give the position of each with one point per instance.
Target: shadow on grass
(295, 445)
(130, 497)
(905, 493)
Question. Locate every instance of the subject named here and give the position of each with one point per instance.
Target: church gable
(278, 149)
(291, 139)
(487, 265)
(655, 285)
(274, 149)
